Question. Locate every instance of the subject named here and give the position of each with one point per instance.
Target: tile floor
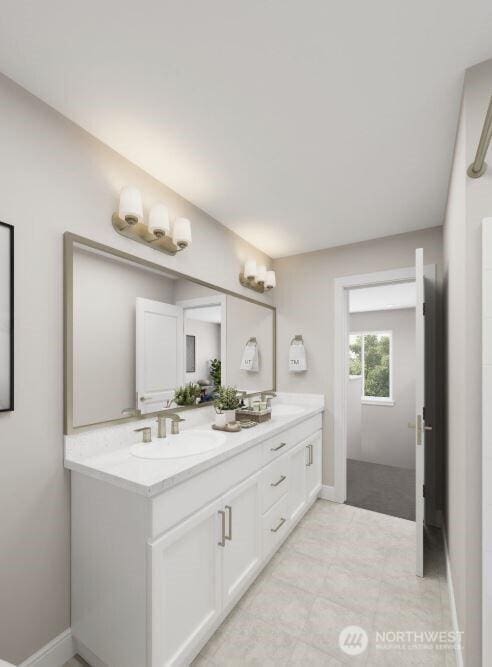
(341, 566)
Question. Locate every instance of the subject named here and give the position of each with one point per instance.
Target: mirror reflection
(145, 339)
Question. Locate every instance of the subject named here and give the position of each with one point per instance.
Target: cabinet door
(313, 468)
(185, 586)
(298, 461)
(242, 552)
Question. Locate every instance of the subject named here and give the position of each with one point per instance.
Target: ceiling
(383, 297)
(298, 125)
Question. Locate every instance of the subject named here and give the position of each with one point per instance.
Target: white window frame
(374, 400)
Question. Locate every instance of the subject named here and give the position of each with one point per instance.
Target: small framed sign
(190, 354)
(6, 317)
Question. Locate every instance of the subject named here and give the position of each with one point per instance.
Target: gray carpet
(380, 488)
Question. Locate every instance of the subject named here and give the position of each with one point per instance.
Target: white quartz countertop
(104, 453)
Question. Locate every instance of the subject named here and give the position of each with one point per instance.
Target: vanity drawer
(274, 482)
(275, 524)
(283, 441)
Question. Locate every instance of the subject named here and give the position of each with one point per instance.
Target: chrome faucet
(268, 395)
(146, 432)
(161, 424)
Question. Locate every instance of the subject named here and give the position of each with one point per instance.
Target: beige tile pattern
(341, 566)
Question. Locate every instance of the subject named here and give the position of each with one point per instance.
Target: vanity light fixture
(256, 277)
(158, 234)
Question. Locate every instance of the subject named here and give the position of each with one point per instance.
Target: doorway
(381, 399)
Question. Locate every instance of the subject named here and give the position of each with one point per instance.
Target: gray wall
(469, 201)
(384, 436)
(105, 293)
(245, 320)
(207, 347)
(304, 299)
(55, 177)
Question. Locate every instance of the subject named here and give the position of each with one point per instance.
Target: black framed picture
(190, 354)
(6, 317)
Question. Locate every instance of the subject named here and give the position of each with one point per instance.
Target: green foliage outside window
(371, 352)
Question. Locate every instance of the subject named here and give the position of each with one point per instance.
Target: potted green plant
(216, 372)
(226, 402)
(188, 394)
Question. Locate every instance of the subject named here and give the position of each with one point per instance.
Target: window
(370, 358)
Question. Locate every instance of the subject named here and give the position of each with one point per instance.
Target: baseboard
(55, 654)
(452, 603)
(328, 493)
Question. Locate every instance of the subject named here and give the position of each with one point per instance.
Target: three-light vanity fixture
(158, 233)
(257, 277)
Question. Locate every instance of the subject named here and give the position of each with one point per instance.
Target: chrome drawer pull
(221, 543)
(275, 449)
(282, 478)
(229, 509)
(281, 523)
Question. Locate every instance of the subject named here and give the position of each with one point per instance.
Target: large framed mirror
(136, 332)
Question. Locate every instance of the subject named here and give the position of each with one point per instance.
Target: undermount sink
(188, 443)
(284, 410)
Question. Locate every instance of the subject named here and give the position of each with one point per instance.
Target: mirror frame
(70, 240)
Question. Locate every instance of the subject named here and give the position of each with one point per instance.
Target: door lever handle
(427, 428)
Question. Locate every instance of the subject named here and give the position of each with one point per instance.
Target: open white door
(420, 410)
(159, 353)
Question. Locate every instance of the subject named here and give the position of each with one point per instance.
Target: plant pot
(230, 416)
(220, 419)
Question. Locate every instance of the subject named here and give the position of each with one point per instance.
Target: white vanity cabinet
(153, 577)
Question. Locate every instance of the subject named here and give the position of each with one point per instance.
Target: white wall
(304, 299)
(55, 177)
(207, 347)
(384, 435)
(469, 201)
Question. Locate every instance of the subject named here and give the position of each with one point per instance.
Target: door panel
(419, 411)
(242, 552)
(159, 353)
(185, 590)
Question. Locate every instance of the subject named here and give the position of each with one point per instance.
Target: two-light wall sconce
(158, 233)
(257, 277)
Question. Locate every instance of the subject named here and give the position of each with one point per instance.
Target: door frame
(203, 302)
(341, 324)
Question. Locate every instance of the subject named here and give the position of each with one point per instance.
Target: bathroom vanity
(163, 549)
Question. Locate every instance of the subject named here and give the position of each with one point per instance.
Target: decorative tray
(254, 415)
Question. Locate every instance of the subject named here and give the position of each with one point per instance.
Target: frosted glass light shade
(261, 274)
(131, 209)
(250, 270)
(270, 280)
(182, 232)
(159, 220)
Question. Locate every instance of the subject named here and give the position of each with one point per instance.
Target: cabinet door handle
(221, 542)
(309, 449)
(282, 478)
(275, 449)
(229, 535)
(279, 526)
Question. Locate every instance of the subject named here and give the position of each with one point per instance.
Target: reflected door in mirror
(159, 353)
